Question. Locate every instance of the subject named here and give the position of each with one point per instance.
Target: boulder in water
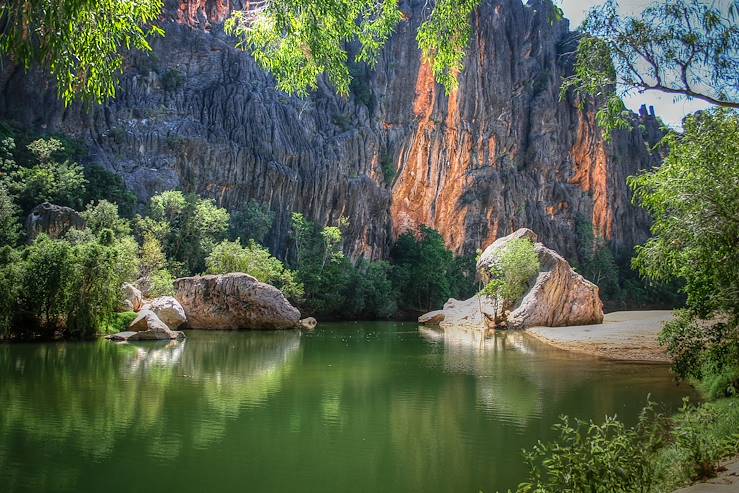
(168, 310)
(558, 296)
(234, 301)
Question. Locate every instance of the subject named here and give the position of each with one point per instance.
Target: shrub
(517, 265)
(255, 260)
(10, 230)
(104, 215)
(119, 322)
(160, 283)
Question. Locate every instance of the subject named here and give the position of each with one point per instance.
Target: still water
(354, 407)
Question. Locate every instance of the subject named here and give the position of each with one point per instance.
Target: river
(353, 407)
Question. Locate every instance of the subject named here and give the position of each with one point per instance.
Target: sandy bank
(629, 336)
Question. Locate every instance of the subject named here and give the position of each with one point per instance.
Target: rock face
(52, 220)
(132, 298)
(557, 297)
(500, 152)
(234, 301)
(169, 311)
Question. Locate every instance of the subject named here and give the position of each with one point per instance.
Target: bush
(426, 274)
(706, 353)
(10, 230)
(608, 457)
(160, 283)
(119, 322)
(255, 260)
(54, 287)
(514, 269)
(104, 215)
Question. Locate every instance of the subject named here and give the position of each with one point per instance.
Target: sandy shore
(629, 336)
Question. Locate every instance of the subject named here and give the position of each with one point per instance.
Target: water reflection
(368, 407)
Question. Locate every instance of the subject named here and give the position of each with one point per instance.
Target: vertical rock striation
(500, 152)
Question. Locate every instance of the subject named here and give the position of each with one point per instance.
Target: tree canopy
(80, 42)
(688, 48)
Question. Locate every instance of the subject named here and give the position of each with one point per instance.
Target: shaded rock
(168, 310)
(52, 220)
(558, 295)
(157, 334)
(145, 320)
(308, 324)
(120, 336)
(132, 298)
(234, 301)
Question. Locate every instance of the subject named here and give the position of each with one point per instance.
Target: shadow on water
(351, 407)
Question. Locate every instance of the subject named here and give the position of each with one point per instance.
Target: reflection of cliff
(94, 400)
(499, 153)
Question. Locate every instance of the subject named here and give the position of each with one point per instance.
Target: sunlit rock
(558, 295)
(234, 301)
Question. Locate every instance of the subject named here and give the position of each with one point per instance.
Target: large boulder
(169, 311)
(558, 296)
(234, 301)
(52, 220)
(132, 298)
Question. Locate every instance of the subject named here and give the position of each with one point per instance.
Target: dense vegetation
(658, 454)
(510, 276)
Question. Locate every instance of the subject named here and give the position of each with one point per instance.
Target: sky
(665, 106)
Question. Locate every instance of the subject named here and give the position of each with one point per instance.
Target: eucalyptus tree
(80, 42)
(688, 48)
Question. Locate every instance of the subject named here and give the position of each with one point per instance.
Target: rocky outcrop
(558, 296)
(234, 301)
(168, 310)
(499, 152)
(132, 298)
(52, 220)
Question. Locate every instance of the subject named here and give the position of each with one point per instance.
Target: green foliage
(299, 40)
(658, 454)
(600, 458)
(119, 322)
(706, 353)
(255, 260)
(10, 230)
(104, 185)
(104, 215)
(161, 283)
(694, 201)
(689, 48)
(372, 294)
(443, 38)
(517, 265)
(426, 274)
(55, 287)
(79, 41)
(187, 226)
(252, 222)
(388, 169)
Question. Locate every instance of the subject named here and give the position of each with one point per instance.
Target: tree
(252, 222)
(10, 230)
(80, 42)
(694, 200)
(187, 226)
(297, 41)
(689, 48)
(104, 215)
(255, 260)
(44, 178)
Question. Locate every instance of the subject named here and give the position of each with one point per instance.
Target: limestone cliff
(499, 153)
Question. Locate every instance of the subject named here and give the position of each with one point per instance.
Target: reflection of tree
(94, 399)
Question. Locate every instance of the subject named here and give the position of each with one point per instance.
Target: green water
(370, 407)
